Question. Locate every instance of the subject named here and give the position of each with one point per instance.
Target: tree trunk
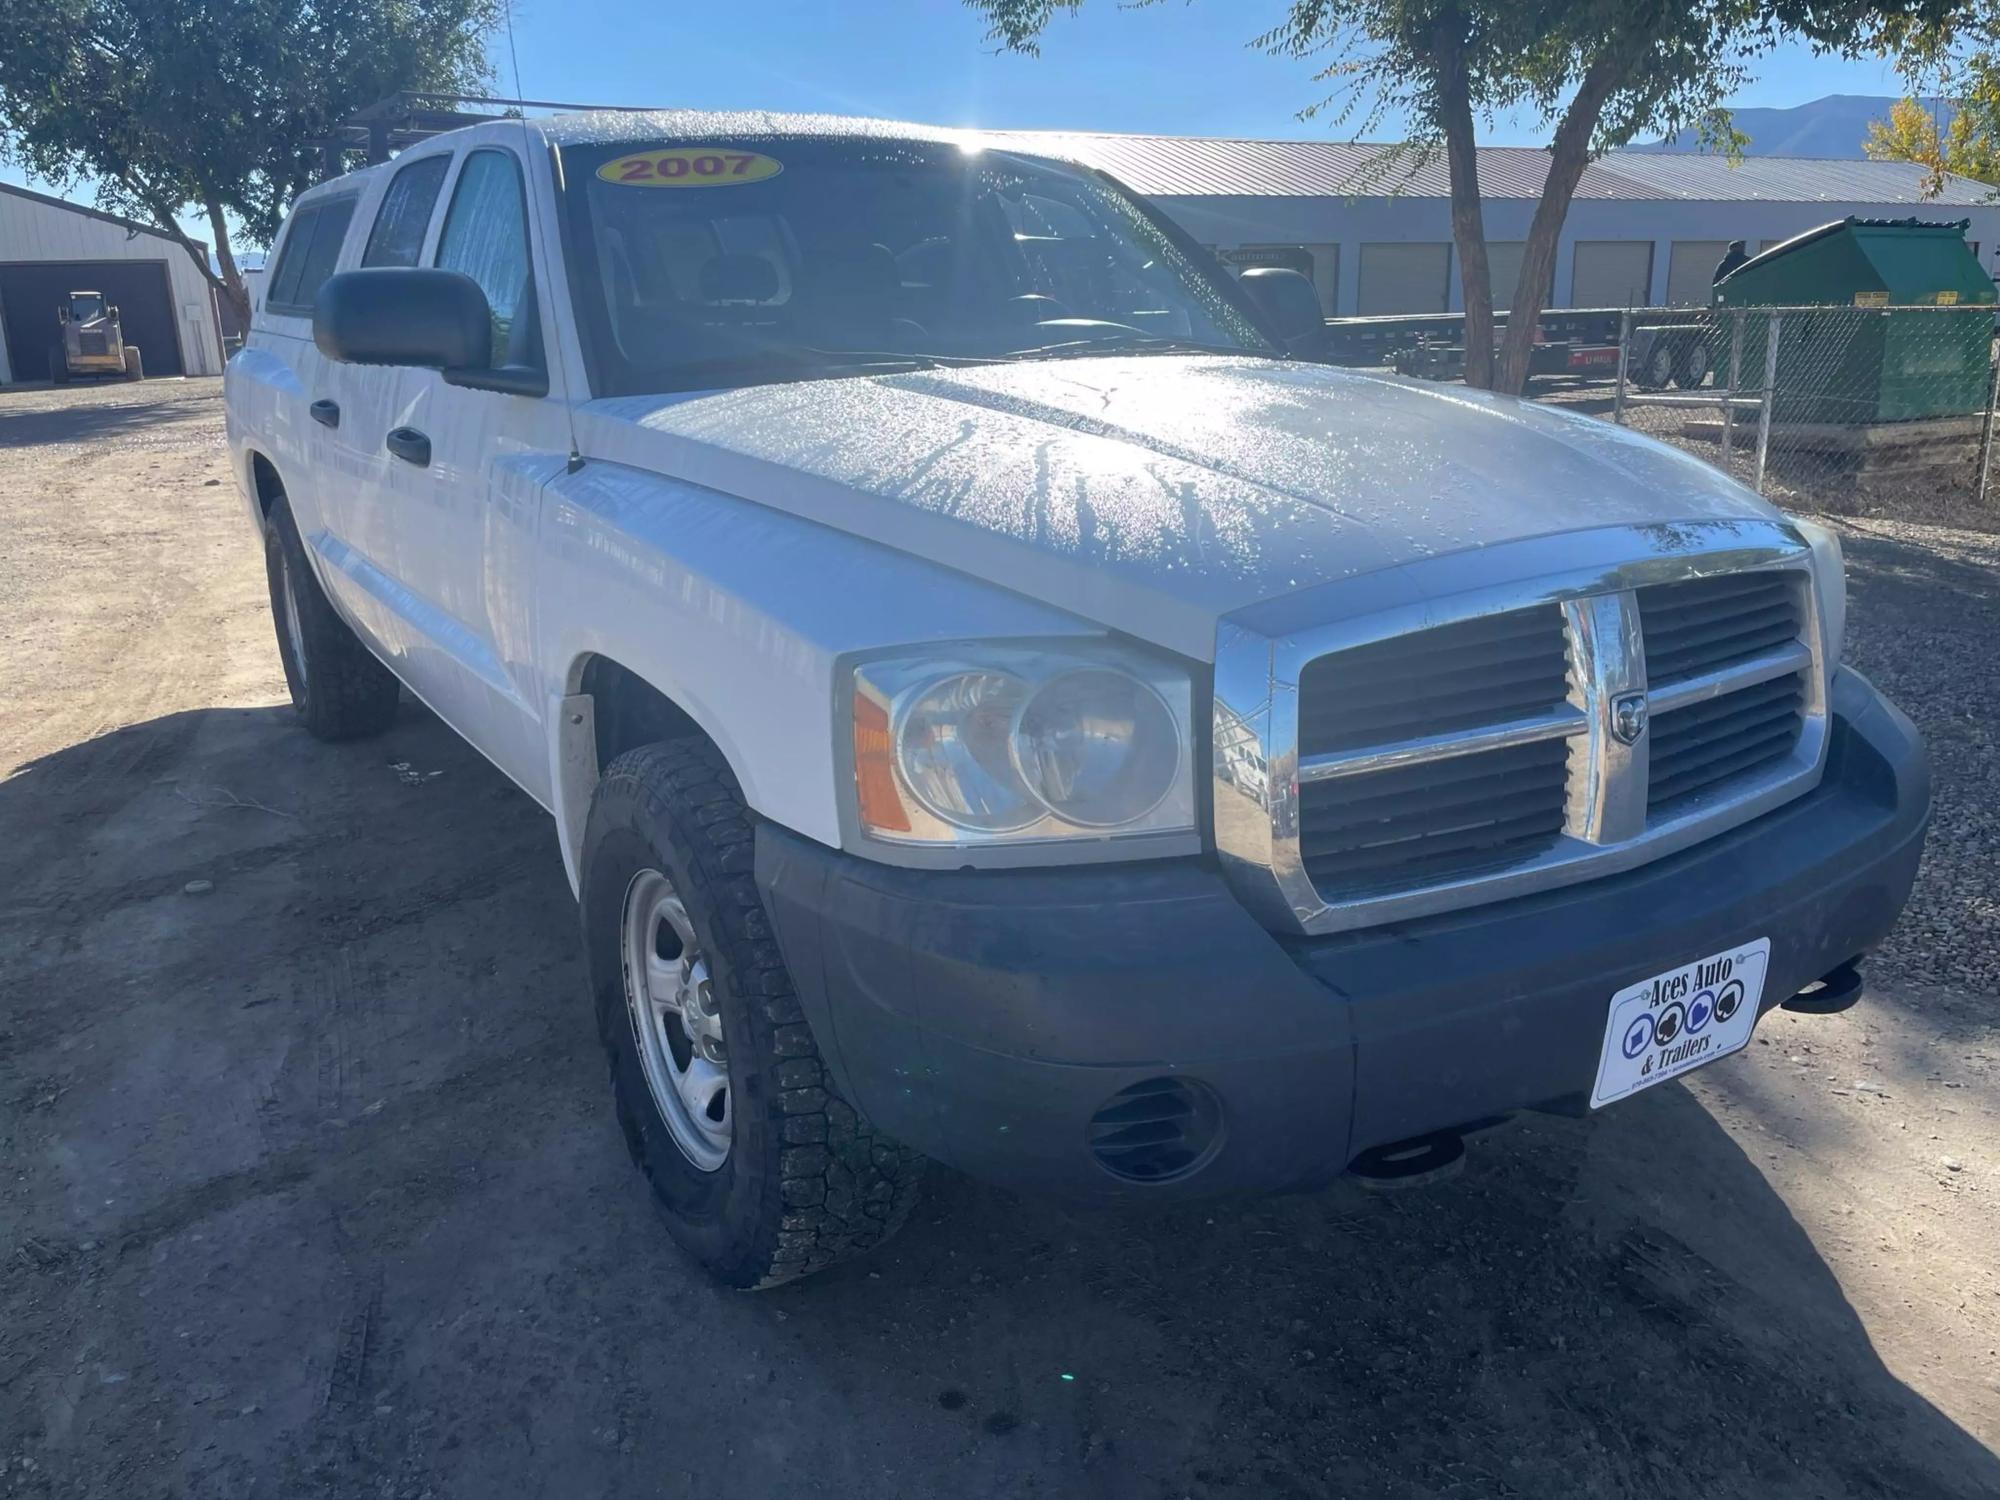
(164, 209)
(1567, 159)
(230, 288)
(1468, 219)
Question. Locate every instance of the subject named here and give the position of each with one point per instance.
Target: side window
(486, 236)
(311, 251)
(292, 258)
(398, 236)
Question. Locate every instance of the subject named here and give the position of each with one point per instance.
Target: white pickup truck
(998, 706)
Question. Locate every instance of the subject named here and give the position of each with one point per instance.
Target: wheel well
(628, 710)
(607, 710)
(265, 478)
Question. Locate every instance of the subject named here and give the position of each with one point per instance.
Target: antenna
(542, 243)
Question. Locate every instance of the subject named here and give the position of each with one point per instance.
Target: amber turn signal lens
(875, 768)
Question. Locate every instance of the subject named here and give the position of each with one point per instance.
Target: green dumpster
(1850, 364)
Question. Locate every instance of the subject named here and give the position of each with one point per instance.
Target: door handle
(410, 445)
(326, 413)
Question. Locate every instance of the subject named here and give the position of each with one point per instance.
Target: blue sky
(1177, 67)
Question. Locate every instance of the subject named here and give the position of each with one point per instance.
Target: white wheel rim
(676, 1020)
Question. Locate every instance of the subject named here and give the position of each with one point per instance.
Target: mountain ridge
(1833, 128)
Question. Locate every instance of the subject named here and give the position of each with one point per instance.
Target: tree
(1963, 143)
(214, 106)
(1951, 120)
(1598, 71)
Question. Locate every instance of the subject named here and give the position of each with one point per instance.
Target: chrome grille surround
(1261, 654)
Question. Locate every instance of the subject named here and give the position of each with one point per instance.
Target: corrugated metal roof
(1195, 167)
(131, 225)
(1170, 166)
(1785, 180)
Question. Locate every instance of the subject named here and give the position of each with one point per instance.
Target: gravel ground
(1925, 626)
(311, 1187)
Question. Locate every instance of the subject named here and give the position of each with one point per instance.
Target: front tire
(58, 365)
(339, 689)
(762, 1172)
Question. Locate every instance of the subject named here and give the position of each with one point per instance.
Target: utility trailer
(1435, 357)
(1581, 343)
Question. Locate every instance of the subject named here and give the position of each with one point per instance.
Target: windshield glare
(847, 256)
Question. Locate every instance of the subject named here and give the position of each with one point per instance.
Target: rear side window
(398, 236)
(311, 251)
(291, 258)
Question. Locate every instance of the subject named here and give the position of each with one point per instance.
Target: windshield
(754, 261)
(86, 306)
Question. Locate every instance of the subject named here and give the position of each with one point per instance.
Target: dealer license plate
(1674, 1022)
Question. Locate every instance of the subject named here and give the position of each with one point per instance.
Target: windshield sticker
(690, 166)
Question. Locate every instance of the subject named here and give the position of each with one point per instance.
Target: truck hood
(1155, 494)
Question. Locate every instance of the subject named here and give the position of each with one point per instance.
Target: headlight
(1005, 745)
(1830, 578)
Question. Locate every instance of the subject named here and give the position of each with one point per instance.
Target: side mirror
(435, 319)
(1289, 304)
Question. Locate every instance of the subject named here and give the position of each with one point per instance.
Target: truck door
(281, 367)
(466, 470)
(375, 573)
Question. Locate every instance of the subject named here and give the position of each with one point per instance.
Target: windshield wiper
(1132, 343)
(791, 361)
(921, 359)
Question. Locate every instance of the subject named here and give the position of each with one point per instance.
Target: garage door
(1691, 271)
(1398, 278)
(1612, 273)
(31, 291)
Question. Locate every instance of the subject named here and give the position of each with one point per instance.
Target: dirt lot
(311, 1187)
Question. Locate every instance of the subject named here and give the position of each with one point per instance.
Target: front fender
(738, 612)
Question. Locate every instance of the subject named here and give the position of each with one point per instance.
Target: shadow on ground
(314, 1190)
(23, 426)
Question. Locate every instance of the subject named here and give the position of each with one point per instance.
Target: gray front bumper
(983, 1017)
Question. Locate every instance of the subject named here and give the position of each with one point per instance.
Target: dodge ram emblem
(1628, 718)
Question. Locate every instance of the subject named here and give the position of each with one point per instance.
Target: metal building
(1372, 225)
(50, 248)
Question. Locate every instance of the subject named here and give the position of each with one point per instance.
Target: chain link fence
(1825, 408)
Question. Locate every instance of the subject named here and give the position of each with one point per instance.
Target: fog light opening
(1160, 1130)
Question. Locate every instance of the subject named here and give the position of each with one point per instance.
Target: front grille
(1435, 821)
(1421, 824)
(1468, 751)
(1460, 676)
(1705, 624)
(1699, 748)
(92, 343)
